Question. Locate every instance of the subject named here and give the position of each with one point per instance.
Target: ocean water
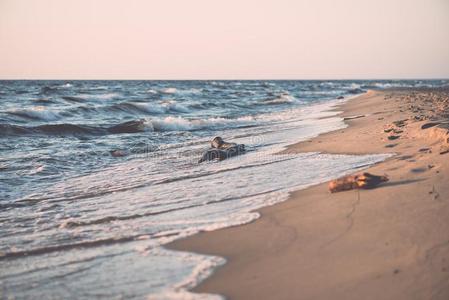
(78, 223)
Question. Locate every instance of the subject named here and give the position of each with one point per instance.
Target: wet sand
(391, 242)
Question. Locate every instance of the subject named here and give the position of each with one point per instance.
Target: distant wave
(35, 113)
(154, 124)
(356, 91)
(137, 107)
(48, 90)
(130, 127)
(44, 101)
(282, 99)
(77, 129)
(67, 129)
(50, 129)
(172, 90)
(67, 85)
(8, 129)
(74, 99)
(169, 90)
(151, 108)
(174, 106)
(105, 96)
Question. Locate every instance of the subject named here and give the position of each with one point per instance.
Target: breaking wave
(35, 113)
(282, 99)
(155, 124)
(152, 108)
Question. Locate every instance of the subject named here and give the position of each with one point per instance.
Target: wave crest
(182, 124)
(282, 99)
(35, 113)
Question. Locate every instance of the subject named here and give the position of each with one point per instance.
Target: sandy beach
(198, 149)
(391, 242)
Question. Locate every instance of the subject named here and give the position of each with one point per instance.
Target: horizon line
(218, 79)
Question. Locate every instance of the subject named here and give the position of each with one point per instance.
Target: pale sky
(227, 39)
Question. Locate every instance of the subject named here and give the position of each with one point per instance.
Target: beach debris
(393, 137)
(434, 193)
(420, 118)
(400, 123)
(353, 117)
(221, 150)
(393, 130)
(340, 97)
(359, 181)
(444, 150)
(427, 150)
(391, 145)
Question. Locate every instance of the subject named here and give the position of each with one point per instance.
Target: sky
(228, 39)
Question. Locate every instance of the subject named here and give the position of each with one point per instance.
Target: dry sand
(387, 243)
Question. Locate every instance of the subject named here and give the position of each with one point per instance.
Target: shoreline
(317, 245)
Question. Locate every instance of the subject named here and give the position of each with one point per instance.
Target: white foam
(203, 268)
(182, 295)
(172, 105)
(354, 86)
(172, 123)
(66, 85)
(172, 90)
(169, 90)
(149, 107)
(182, 124)
(178, 123)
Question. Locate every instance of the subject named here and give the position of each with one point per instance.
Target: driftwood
(358, 181)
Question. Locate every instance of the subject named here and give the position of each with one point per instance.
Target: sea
(77, 222)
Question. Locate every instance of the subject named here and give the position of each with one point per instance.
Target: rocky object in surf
(359, 181)
(221, 150)
(118, 153)
(340, 97)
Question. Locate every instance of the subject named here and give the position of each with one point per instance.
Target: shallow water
(78, 223)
